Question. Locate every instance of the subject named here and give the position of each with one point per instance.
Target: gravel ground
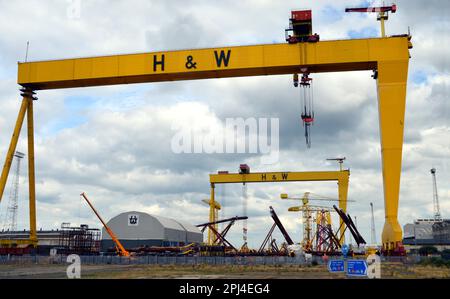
(32, 271)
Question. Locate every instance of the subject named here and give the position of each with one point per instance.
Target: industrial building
(427, 232)
(47, 239)
(431, 231)
(137, 229)
(81, 240)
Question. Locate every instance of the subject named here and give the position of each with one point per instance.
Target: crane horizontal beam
(268, 177)
(238, 61)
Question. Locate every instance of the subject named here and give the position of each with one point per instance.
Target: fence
(185, 260)
(162, 260)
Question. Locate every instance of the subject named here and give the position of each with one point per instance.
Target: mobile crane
(119, 248)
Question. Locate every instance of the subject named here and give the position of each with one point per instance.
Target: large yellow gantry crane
(388, 57)
(341, 177)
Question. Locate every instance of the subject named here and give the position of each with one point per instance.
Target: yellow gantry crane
(224, 177)
(388, 57)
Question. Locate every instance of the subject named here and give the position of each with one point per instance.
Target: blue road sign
(356, 268)
(336, 266)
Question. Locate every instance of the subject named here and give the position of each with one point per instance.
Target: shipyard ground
(388, 271)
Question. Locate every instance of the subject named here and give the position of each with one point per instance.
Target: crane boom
(382, 11)
(392, 8)
(122, 251)
(437, 211)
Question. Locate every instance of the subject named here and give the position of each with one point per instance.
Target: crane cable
(307, 99)
(244, 212)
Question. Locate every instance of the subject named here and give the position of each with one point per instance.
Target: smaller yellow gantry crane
(119, 248)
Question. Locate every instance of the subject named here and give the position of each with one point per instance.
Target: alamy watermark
(73, 271)
(236, 136)
(373, 266)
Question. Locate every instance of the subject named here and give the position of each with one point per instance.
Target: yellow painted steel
(383, 30)
(25, 108)
(212, 215)
(388, 55)
(392, 77)
(214, 208)
(12, 146)
(342, 178)
(287, 176)
(307, 210)
(15, 242)
(269, 59)
(31, 176)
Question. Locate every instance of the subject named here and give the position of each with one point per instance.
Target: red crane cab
(300, 27)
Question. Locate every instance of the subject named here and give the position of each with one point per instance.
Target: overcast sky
(114, 142)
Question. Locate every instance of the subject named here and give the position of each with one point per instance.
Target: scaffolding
(80, 240)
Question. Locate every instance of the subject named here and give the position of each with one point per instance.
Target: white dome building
(136, 229)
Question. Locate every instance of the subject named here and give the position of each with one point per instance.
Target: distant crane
(307, 211)
(214, 213)
(217, 207)
(10, 221)
(339, 160)
(437, 212)
(382, 14)
(373, 238)
(119, 248)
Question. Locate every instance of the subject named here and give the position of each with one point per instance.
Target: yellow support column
(211, 215)
(392, 78)
(382, 19)
(343, 191)
(31, 176)
(12, 146)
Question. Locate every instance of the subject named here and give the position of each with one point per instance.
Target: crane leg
(343, 192)
(12, 146)
(31, 176)
(391, 85)
(211, 215)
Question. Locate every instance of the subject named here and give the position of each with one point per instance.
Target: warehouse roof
(136, 225)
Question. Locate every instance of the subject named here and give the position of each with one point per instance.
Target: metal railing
(161, 260)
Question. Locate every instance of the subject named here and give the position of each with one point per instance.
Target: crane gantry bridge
(387, 56)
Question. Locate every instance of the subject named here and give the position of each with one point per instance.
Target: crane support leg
(212, 215)
(31, 176)
(343, 191)
(12, 146)
(391, 85)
